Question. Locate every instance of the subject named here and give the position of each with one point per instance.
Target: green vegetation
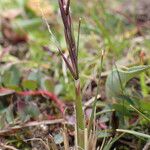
(74, 74)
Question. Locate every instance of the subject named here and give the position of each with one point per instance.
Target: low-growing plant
(72, 64)
(115, 83)
(82, 135)
(122, 113)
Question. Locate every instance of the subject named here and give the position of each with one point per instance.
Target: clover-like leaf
(118, 78)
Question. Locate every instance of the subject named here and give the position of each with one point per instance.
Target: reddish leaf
(4, 92)
(52, 96)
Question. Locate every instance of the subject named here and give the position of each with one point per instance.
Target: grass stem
(79, 115)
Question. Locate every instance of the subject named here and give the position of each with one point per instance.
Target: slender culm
(72, 65)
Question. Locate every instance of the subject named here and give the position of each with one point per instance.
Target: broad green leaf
(32, 110)
(123, 110)
(2, 107)
(145, 104)
(2, 121)
(30, 84)
(47, 84)
(35, 75)
(11, 77)
(9, 115)
(6, 79)
(118, 78)
(15, 75)
(27, 110)
(14, 87)
(126, 98)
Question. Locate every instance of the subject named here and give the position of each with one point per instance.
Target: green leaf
(9, 115)
(118, 79)
(47, 84)
(134, 133)
(123, 110)
(30, 84)
(14, 87)
(145, 104)
(32, 110)
(127, 99)
(11, 77)
(109, 144)
(34, 75)
(27, 110)
(144, 87)
(2, 120)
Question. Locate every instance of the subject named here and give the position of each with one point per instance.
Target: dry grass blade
(52, 144)
(92, 141)
(66, 140)
(41, 141)
(147, 146)
(29, 124)
(8, 147)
